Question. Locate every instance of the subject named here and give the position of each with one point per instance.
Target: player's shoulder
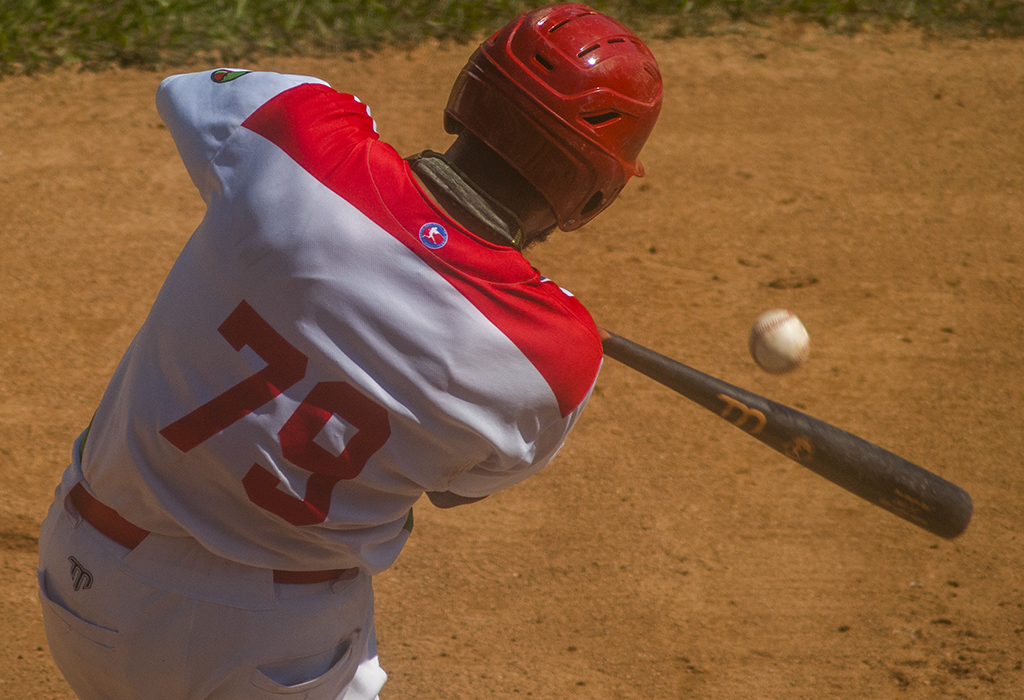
(232, 93)
(564, 344)
(237, 80)
(314, 105)
(570, 306)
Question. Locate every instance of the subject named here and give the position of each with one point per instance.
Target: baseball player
(345, 331)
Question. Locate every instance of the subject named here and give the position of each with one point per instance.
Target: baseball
(778, 341)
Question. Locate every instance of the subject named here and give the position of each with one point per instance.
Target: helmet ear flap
(597, 203)
(567, 96)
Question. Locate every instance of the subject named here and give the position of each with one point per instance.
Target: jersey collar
(466, 202)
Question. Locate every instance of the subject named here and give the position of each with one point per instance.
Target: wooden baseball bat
(863, 468)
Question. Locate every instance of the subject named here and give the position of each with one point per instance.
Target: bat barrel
(861, 467)
(869, 471)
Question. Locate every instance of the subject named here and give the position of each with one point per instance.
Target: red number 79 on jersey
(285, 367)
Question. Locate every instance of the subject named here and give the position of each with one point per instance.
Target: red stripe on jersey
(331, 136)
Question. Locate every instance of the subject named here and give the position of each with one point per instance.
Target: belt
(108, 522)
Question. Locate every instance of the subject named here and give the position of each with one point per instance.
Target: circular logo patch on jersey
(433, 235)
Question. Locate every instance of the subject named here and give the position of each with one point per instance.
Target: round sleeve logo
(226, 76)
(433, 235)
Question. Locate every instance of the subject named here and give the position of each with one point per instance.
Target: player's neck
(491, 173)
(463, 201)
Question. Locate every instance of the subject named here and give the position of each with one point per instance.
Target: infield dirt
(874, 185)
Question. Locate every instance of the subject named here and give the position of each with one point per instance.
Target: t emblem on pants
(80, 576)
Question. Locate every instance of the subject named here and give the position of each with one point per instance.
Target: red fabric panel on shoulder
(331, 136)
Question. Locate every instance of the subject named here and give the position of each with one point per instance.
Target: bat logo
(745, 414)
(799, 449)
(906, 506)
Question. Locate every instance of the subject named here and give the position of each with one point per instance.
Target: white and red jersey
(328, 345)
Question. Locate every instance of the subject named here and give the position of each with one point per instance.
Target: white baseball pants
(168, 620)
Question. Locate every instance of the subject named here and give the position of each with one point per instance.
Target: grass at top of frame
(39, 35)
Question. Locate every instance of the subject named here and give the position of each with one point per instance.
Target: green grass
(39, 35)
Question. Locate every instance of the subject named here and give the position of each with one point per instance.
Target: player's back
(328, 345)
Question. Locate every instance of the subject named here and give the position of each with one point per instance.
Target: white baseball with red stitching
(778, 341)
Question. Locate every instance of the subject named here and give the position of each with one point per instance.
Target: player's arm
(447, 499)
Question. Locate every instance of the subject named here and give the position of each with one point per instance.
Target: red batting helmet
(567, 96)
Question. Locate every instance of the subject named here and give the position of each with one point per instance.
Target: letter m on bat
(745, 413)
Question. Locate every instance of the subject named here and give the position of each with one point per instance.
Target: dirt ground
(874, 185)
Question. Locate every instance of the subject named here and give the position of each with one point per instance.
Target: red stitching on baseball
(778, 321)
(760, 330)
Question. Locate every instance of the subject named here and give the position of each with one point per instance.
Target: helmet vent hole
(559, 25)
(544, 62)
(603, 118)
(587, 50)
(593, 204)
(616, 41)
